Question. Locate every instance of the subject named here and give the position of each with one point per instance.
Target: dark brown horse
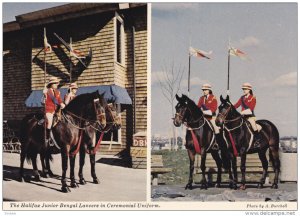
(236, 129)
(84, 110)
(187, 112)
(91, 135)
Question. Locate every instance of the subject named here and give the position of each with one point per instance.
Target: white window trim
(119, 18)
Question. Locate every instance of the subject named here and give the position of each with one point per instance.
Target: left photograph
(75, 101)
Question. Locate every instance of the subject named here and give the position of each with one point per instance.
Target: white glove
(207, 112)
(62, 105)
(246, 112)
(45, 90)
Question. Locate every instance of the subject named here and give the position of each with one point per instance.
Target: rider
(71, 93)
(52, 101)
(248, 102)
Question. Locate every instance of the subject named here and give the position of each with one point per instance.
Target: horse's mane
(79, 100)
(192, 105)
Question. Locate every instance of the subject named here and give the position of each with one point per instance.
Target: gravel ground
(286, 192)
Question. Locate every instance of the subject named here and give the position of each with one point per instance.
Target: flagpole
(45, 71)
(228, 72)
(189, 74)
(71, 60)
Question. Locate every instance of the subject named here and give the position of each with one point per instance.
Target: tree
(170, 82)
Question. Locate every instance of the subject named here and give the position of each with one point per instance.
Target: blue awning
(111, 92)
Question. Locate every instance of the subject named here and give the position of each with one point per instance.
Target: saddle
(252, 140)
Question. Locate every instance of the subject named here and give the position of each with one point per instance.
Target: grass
(179, 162)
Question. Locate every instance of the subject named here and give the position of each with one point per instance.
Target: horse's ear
(227, 98)
(221, 99)
(177, 97)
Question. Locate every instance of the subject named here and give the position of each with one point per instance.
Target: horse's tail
(272, 134)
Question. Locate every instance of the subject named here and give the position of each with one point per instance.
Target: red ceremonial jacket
(53, 99)
(209, 103)
(246, 103)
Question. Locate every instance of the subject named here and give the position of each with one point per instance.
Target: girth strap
(233, 144)
(196, 143)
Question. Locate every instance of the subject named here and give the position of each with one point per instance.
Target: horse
(236, 128)
(113, 122)
(187, 112)
(84, 110)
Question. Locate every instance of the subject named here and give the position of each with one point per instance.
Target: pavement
(286, 192)
(117, 183)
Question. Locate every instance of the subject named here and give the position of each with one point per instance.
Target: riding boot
(257, 139)
(224, 151)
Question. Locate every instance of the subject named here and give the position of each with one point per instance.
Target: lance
(68, 48)
(228, 71)
(71, 60)
(189, 74)
(45, 70)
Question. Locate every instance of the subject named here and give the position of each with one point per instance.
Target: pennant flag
(200, 53)
(47, 46)
(76, 53)
(236, 52)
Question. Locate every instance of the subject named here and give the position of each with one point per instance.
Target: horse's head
(226, 111)
(181, 110)
(99, 108)
(113, 115)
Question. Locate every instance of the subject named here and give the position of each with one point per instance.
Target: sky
(266, 32)
(10, 10)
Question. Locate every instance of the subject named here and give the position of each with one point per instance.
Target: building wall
(16, 74)
(98, 32)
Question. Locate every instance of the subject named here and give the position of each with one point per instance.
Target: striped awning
(111, 93)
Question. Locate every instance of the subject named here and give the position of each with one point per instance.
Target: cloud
(195, 81)
(157, 76)
(289, 79)
(249, 41)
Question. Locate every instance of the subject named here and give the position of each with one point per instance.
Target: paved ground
(117, 183)
(286, 192)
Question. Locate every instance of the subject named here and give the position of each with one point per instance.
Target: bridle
(224, 115)
(112, 113)
(184, 121)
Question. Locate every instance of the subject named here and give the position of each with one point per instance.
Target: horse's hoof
(260, 186)
(243, 187)
(65, 189)
(74, 185)
(96, 181)
(204, 186)
(21, 179)
(82, 181)
(189, 186)
(217, 185)
(37, 178)
(50, 173)
(274, 186)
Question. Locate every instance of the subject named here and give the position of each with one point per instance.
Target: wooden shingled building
(116, 34)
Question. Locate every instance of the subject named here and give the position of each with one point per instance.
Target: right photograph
(224, 102)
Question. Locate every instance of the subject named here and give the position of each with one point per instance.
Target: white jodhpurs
(49, 117)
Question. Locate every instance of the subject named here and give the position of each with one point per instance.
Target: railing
(11, 142)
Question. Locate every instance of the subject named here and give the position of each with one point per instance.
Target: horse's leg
(192, 161)
(218, 160)
(72, 168)
(47, 159)
(265, 164)
(22, 159)
(81, 164)
(234, 168)
(93, 173)
(35, 168)
(203, 169)
(243, 171)
(274, 157)
(44, 168)
(64, 166)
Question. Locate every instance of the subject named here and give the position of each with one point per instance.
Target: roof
(64, 12)
(111, 93)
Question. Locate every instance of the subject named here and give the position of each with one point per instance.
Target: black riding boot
(47, 135)
(224, 152)
(257, 139)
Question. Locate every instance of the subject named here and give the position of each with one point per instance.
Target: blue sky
(267, 32)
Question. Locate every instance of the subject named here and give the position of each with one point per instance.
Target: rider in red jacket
(52, 101)
(248, 103)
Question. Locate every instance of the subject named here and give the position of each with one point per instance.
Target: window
(119, 39)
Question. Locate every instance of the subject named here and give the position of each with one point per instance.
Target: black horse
(236, 129)
(187, 112)
(84, 110)
(113, 122)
